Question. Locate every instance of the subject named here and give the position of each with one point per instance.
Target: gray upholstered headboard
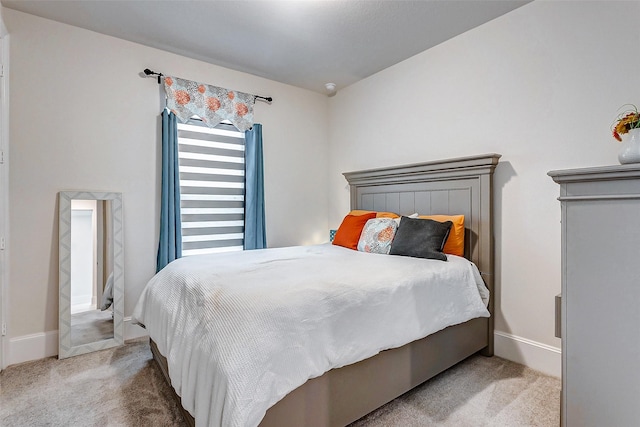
(448, 187)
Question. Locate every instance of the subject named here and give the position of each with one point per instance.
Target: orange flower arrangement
(627, 120)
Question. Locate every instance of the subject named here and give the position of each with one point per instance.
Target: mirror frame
(65, 349)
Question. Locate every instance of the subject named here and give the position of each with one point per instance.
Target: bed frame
(341, 396)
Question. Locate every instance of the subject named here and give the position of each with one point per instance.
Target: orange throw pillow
(349, 231)
(455, 241)
(359, 212)
(387, 215)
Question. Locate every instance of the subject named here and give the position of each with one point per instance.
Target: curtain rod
(148, 72)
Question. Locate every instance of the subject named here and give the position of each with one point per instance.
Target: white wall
(83, 118)
(82, 258)
(541, 86)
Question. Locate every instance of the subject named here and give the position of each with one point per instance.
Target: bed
(350, 391)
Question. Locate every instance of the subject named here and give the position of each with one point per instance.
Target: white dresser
(600, 308)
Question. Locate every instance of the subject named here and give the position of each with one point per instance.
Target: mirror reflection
(91, 274)
(91, 280)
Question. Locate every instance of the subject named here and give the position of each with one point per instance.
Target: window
(211, 163)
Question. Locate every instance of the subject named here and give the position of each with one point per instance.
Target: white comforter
(242, 330)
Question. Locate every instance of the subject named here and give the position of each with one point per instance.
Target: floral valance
(211, 103)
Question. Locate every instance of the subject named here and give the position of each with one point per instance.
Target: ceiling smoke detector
(331, 88)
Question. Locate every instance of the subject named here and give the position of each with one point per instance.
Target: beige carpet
(121, 386)
(124, 387)
(480, 391)
(91, 326)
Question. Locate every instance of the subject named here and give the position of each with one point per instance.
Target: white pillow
(414, 215)
(377, 235)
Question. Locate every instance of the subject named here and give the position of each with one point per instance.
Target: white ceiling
(305, 43)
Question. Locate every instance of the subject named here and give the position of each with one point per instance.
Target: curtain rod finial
(149, 72)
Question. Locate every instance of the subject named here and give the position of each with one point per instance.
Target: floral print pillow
(377, 235)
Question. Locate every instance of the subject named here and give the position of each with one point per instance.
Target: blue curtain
(170, 246)
(254, 225)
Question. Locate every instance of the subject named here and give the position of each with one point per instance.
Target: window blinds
(211, 162)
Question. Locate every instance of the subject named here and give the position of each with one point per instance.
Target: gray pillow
(421, 238)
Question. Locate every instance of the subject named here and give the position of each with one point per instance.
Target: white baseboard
(132, 331)
(541, 357)
(32, 347)
(45, 344)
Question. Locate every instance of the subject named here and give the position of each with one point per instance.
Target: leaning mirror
(91, 272)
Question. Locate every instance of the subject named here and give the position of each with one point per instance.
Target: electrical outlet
(4, 329)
